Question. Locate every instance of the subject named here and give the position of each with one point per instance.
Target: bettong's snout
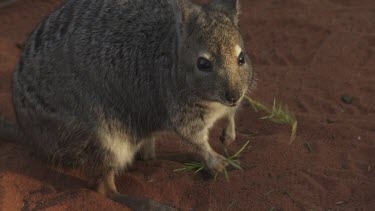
(232, 98)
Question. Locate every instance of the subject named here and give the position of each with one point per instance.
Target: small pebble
(347, 99)
(329, 121)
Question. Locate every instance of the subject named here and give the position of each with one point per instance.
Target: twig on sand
(231, 205)
(308, 147)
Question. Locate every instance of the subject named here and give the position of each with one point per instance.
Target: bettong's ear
(230, 7)
(188, 9)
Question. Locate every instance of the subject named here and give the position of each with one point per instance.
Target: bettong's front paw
(216, 162)
(228, 136)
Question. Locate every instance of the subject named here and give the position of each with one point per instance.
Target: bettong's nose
(232, 97)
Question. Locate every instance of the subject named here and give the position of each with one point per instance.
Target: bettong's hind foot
(140, 204)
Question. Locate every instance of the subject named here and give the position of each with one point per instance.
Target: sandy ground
(307, 54)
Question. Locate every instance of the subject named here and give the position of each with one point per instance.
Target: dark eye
(204, 64)
(241, 59)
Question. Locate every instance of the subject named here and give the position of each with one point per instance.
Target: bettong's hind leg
(147, 150)
(105, 184)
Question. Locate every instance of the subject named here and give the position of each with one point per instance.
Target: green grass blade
(255, 105)
(180, 170)
(231, 204)
(238, 153)
(198, 170)
(226, 152)
(269, 192)
(234, 164)
(193, 164)
(226, 174)
(294, 132)
(215, 177)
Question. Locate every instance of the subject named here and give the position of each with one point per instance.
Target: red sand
(307, 54)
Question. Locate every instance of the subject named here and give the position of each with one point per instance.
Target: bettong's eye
(241, 59)
(204, 64)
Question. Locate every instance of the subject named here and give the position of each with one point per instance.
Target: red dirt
(307, 54)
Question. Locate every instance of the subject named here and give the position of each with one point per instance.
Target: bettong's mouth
(232, 104)
(229, 104)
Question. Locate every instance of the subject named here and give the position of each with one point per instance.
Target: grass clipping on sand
(277, 114)
(231, 159)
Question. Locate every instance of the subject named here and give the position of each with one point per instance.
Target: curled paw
(216, 162)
